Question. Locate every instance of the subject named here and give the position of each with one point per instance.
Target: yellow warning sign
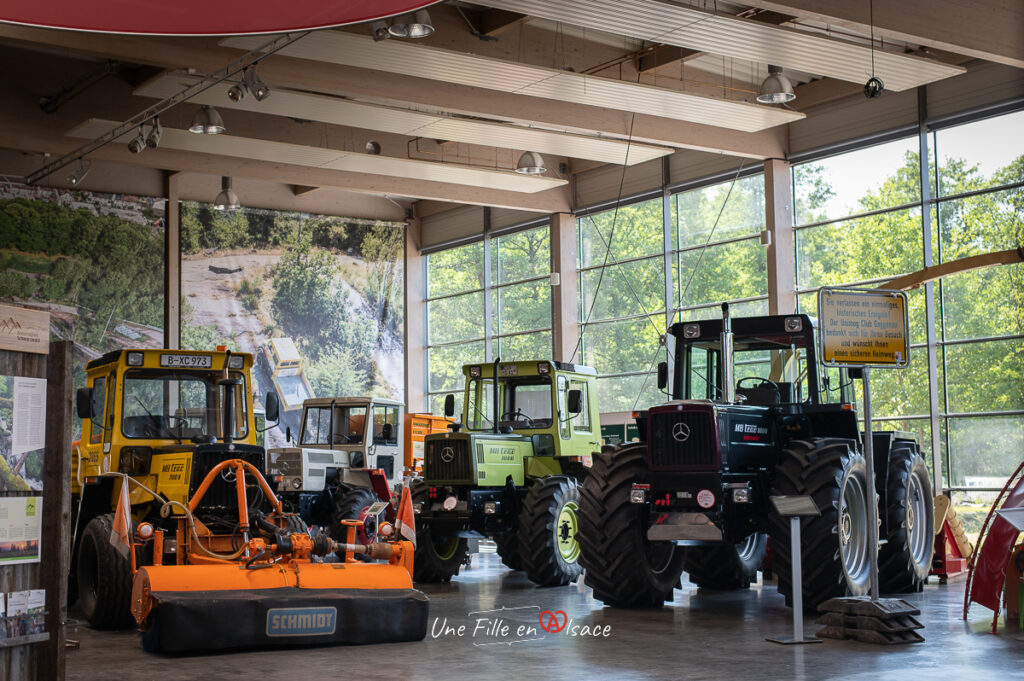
(860, 327)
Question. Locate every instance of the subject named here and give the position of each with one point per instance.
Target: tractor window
(527, 404)
(179, 405)
(317, 426)
(349, 425)
(480, 404)
(581, 421)
(99, 392)
(701, 376)
(385, 426)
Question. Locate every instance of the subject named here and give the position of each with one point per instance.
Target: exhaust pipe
(497, 393)
(728, 386)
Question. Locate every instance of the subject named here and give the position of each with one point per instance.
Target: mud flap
(216, 620)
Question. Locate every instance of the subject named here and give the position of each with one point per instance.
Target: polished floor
(701, 635)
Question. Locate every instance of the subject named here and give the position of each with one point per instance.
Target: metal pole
(872, 501)
(798, 574)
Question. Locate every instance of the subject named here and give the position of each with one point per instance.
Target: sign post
(861, 328)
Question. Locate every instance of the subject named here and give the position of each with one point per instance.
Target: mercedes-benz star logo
(447, 454)
(680, 432)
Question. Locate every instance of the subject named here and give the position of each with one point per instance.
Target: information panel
(863, 327)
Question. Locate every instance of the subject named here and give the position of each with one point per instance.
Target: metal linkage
(130, 125)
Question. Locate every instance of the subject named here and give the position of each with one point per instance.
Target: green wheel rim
(565, 533)
(446, 547)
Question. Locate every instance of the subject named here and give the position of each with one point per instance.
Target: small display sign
(863, 327)
(186, 361)
(508, 370)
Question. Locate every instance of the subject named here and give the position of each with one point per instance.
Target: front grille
(689, 446)
(221, 497)
(287, 463)
(458, 468)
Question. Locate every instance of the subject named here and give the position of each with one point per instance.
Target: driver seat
(766, 396)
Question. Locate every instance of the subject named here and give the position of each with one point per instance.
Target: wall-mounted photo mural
(94, 261)
(316, 299)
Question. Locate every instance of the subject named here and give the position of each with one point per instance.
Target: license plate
(508, 370)
(187, 361)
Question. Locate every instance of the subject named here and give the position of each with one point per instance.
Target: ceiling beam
(495, 22)
(992, 30)
(400, 90)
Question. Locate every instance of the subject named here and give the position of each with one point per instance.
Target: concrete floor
(701, 635)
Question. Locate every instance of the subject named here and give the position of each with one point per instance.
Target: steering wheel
(516, 415)
(763, 383)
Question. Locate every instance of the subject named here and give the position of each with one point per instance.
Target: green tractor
(511, 471)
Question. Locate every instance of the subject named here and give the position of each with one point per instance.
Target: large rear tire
(624, 569)
(439, 558)
(349, 502)
(548, 525)
(508, 549)
(104, 577)
(834, 546)
(726, 567)
(905, 560)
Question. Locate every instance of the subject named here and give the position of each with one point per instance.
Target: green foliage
(337, 371)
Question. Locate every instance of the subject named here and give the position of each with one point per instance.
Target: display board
(863, 327)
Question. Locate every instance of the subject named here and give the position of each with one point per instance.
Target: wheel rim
(446, 547)
(918, 537)
(853, 535)
(565, 532)
(748, 547)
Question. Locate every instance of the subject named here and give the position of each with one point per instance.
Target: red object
(406, 519)
(988, 571)
(199, 17)
(948, 561)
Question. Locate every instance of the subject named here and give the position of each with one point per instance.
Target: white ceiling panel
(333, 159)
(412, 123)
(406, 58)
(748, 39)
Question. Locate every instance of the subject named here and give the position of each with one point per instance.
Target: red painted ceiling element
(199, 17)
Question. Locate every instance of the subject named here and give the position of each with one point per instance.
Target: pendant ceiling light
(227, 199)
(207, 122)
(776, 88)
(530, 163)
(412, 25)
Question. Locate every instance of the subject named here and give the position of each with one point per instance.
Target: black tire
(437, 559)
(349, 502)
(726, 567)
(905, 560)
(624, 569)
(104, 577)
(834, 474)
(548, 525)
(508, 549)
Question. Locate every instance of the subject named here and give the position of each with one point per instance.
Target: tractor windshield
(525, 403)
(768, 369)
(347, 428)
(180, 405)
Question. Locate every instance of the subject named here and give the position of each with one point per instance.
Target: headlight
(691, 331)
(638, 494)
(490, 508)
(236, 362)
(450, 503)
(794, 325)
(741, 495)
(543, 368)
(296, 483)
(474, 371)
(134, 359)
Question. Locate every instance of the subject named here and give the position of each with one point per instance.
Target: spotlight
(373, 147)
(138, 143)
(236, 92)
(874, 87)
(776, 88)
(207, 122)
(79, 173)
(379, 30)
(226, 199)
(155, 133)
(251, 82)
(412, 25)
(530, 163)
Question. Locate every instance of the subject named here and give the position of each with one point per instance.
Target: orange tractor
(260, 584)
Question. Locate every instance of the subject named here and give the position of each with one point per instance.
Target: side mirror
(575, 402)
(449, 406)
(84, 406)
(272, 407)
(662, 375)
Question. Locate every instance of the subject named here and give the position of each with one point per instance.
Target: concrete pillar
(778, 195)
(564, 293)
(415, 314)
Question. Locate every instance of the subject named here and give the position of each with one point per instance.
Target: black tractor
(694, 494)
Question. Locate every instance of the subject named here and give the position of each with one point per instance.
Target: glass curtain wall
(866, 216)
(485, 300)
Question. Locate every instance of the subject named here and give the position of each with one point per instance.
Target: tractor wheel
(548, 525)
(726, 567)
(104, 577)
(906, 558)
(508, 549)
(622, 566)
(834, 545)
(437, 559)
(349, 502)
